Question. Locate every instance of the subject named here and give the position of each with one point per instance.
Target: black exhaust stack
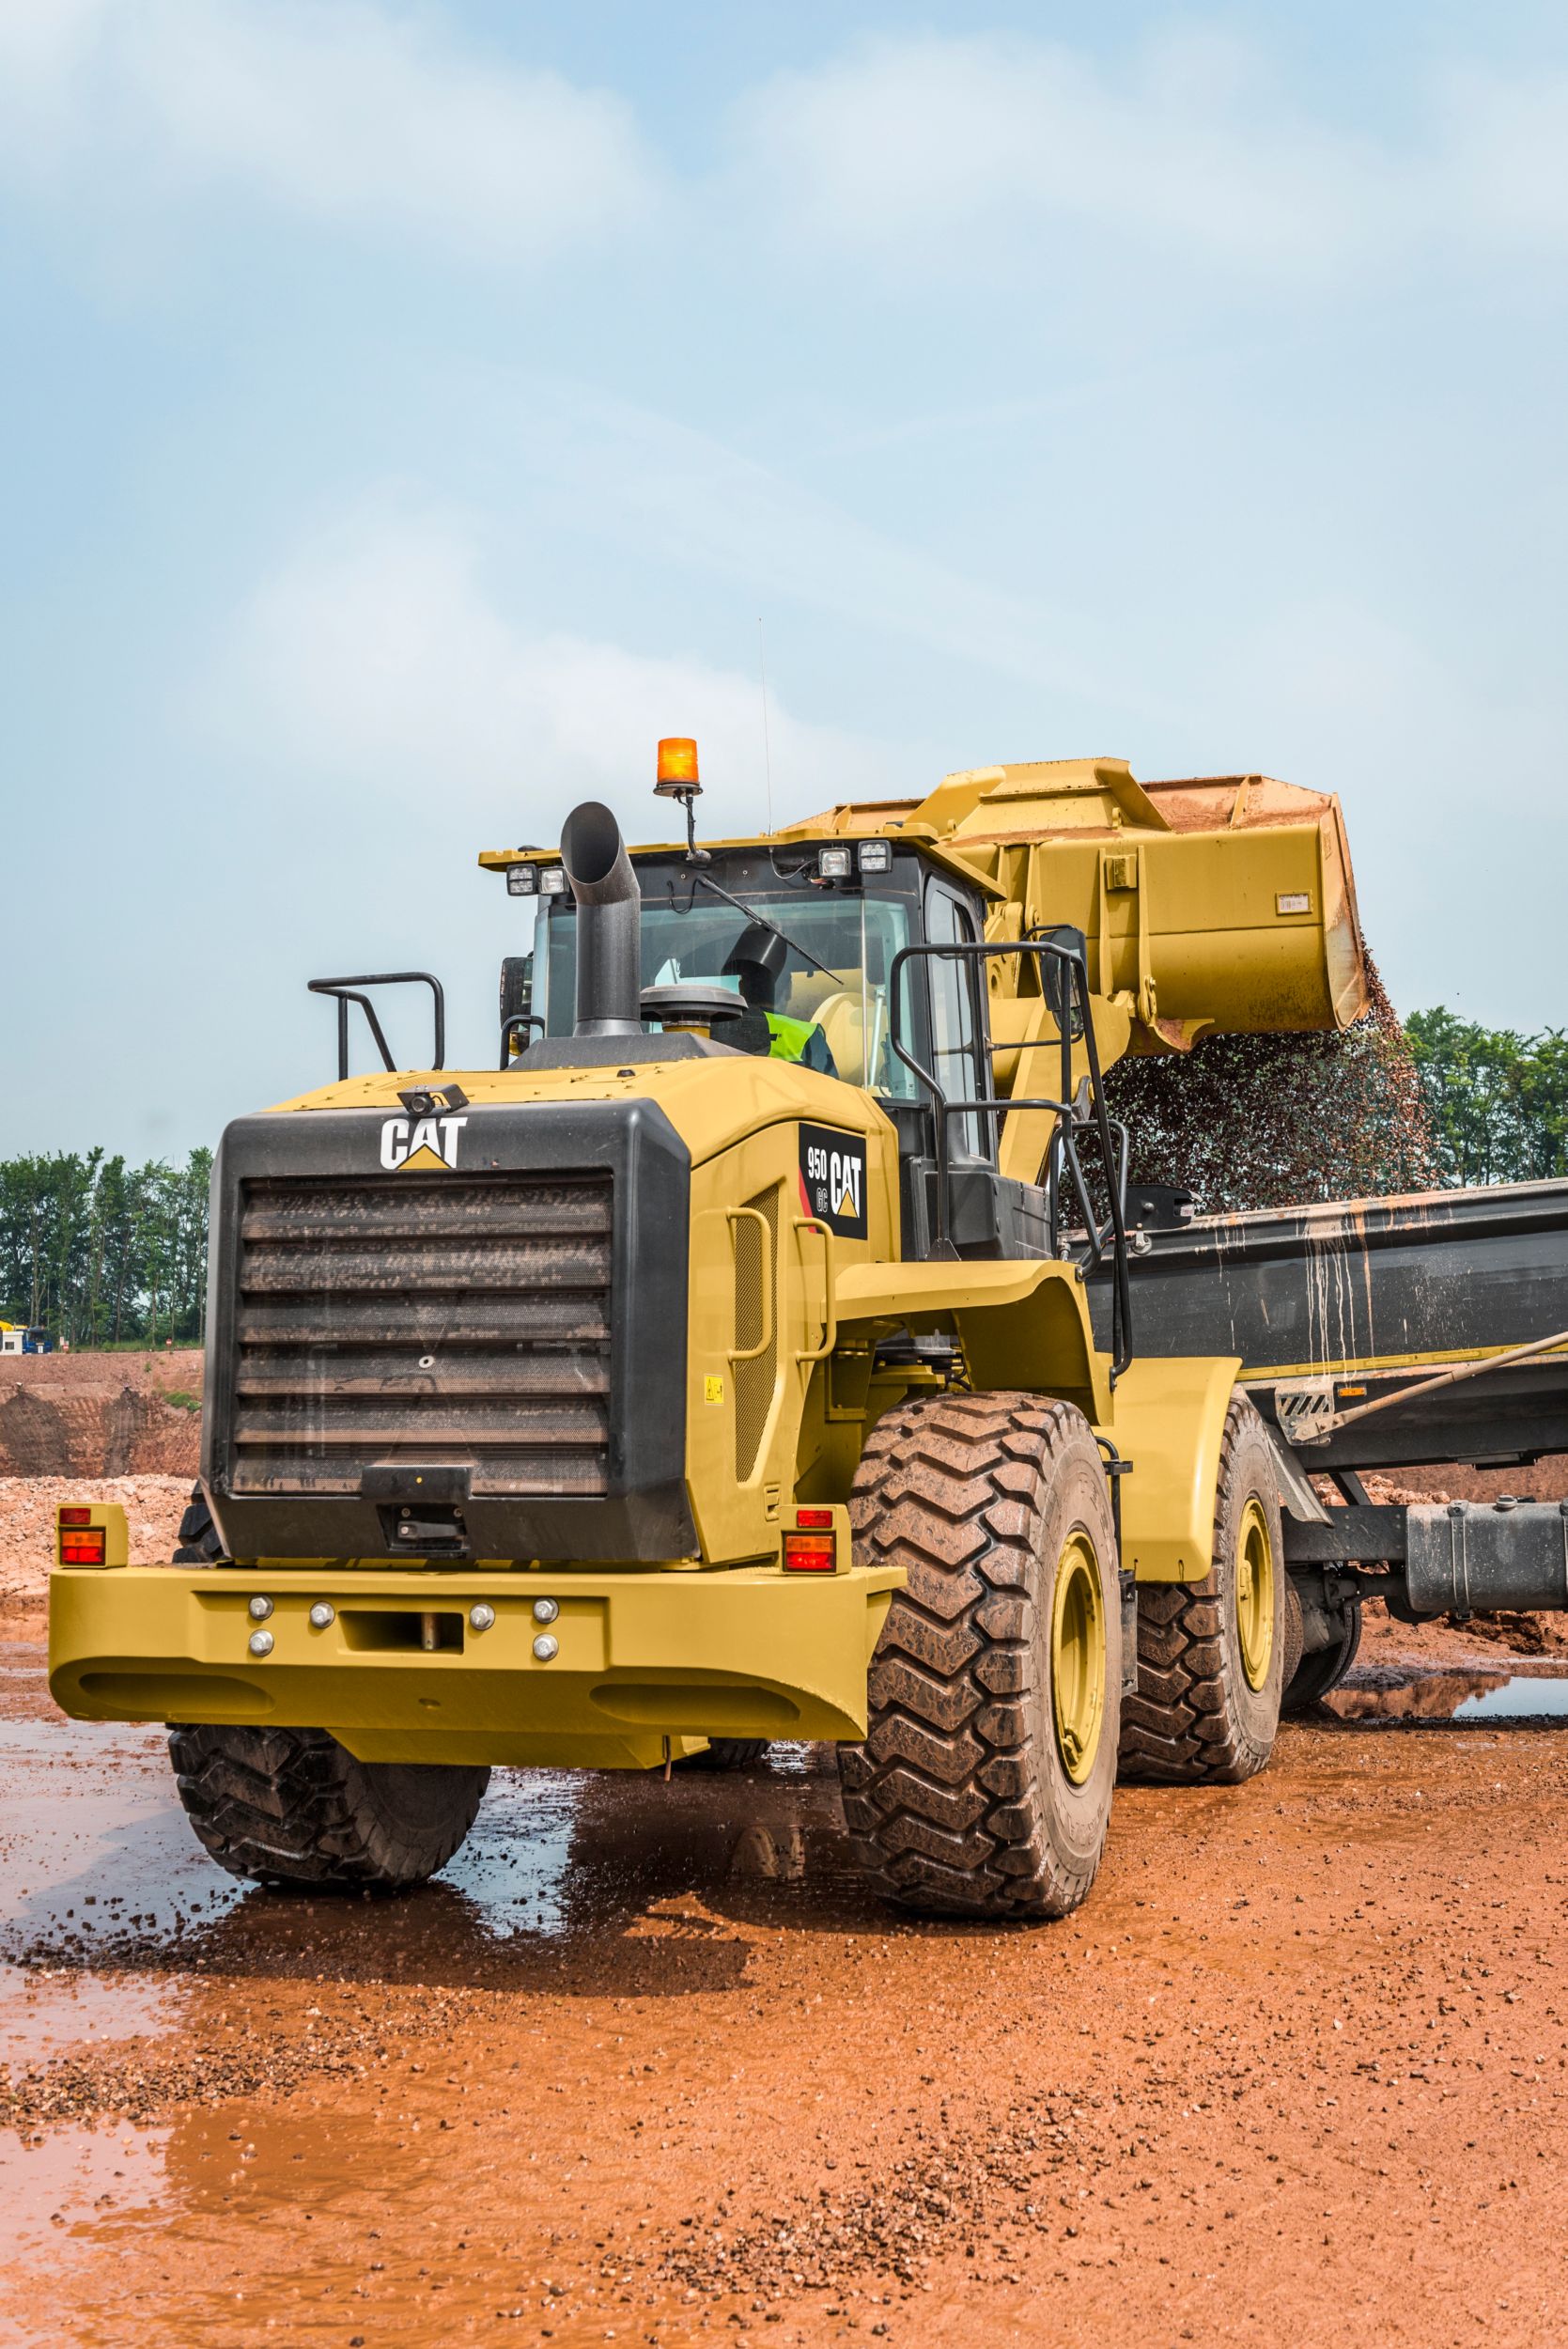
(609, 923)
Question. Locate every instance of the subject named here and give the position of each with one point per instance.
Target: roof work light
(675, 776)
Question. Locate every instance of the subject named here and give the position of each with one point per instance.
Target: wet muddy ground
(648, 2066)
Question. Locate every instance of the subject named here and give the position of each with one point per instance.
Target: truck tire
(200, 1543)
(1315, 1674)
(294, 1807)
(1211, 1655)
(984, 1785)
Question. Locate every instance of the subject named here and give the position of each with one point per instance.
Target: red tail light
(811, 1553)
(74, 1516)
(84, 1549)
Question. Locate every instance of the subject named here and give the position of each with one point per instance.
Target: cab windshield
(816, 967)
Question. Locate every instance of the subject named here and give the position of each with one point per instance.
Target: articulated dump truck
(751, 1352)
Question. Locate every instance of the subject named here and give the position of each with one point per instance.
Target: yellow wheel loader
(718, 1367)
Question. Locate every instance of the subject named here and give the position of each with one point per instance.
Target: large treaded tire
(200, 1543)
(727, 1753)
(294, 1807)
(1196, 1719)
(958, 1802)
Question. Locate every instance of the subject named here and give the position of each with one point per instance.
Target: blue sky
(411, 411)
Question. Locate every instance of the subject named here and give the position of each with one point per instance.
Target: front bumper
(643, 1657)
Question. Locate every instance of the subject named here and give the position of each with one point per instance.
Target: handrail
(829, 1298)
(513, 1020)
(345, 991)
(1062, 1156)
(770, 1275)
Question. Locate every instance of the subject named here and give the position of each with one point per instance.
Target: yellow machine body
(1217, 906)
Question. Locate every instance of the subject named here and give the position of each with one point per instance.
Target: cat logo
(421, 1145)
(832, 1179)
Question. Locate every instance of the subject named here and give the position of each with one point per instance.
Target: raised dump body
(1338, 1304)
(1377, 1334)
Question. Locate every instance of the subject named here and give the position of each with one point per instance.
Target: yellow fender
(1168, 1417)
(1022, 1322)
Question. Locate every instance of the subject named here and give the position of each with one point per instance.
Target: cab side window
(954, 1029)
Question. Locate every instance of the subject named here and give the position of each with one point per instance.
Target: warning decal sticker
(832, 1179)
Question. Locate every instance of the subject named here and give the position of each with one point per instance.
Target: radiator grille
(452, 1319)
(756, 1263)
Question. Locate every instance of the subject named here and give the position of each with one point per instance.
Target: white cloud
(1190, 148)
(1007, 152)
(1509, 146)
(375, 659)
(348, 113)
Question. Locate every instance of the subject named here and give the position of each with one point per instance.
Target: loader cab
(848, 929)
(766, 928)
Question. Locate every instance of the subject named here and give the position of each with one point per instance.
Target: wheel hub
(1254, 1595)
(1078, 1659)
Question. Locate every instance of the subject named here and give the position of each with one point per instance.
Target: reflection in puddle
(1529, 1696)
(105, 1878)
(1385, 1693)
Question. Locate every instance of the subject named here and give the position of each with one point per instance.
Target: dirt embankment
(153, 1507)
(101, 1414)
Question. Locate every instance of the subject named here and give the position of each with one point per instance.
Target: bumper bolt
(482, 1616)
(261, 1643)
(260, 1609)
(321, 1614)
(546, 1610)
(544, 1646)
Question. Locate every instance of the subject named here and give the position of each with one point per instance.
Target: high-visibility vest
(799, 1040)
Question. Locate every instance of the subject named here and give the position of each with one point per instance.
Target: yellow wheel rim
(1254, 1595)
(1078, 1659)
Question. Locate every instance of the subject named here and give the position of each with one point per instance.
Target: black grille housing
(449, 1319)
(519, 1321)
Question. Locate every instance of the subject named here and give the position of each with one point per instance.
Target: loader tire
(982, 1788)
(294, 1807)
(1211, 1655)
(200, 1542)
(727, 1753)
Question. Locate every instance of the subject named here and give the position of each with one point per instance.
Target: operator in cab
(756, 963)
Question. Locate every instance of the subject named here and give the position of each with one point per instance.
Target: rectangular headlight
(834, 864)
(552, 881)
(876, 856)
(522, 881)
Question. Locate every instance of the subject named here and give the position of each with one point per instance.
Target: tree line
(1498, 1100)
(102, 1253)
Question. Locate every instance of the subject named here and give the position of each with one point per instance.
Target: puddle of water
(1388, 1695)
(1527, 1697)
(58, 2187)
(105, 1873)
(41, 2013)
(99, 1855)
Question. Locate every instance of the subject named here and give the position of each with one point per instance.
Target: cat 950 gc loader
(719, 1368)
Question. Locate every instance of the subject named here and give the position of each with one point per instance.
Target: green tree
(99, 1252)
(1498, 1100)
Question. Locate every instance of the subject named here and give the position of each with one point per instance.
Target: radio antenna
(767, 744)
